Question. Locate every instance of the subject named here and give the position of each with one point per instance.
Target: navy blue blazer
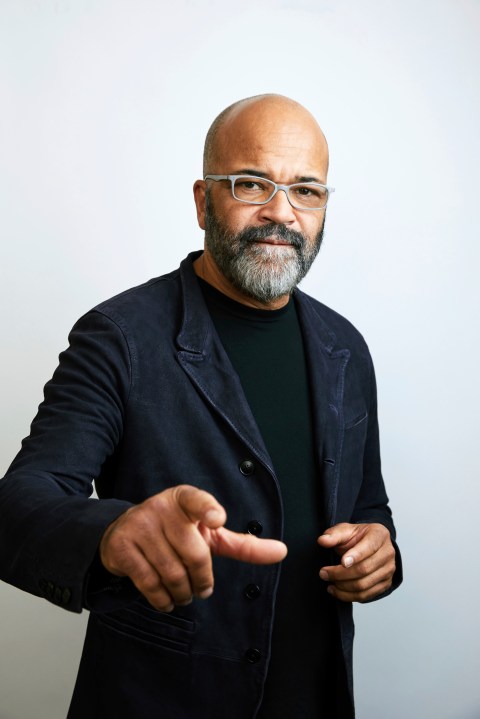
(145, 398)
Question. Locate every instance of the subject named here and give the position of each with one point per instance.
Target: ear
(199, 193)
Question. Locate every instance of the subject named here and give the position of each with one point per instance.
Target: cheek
(311, 226)
(240, 216)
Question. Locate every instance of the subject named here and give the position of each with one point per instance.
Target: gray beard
(261, 272)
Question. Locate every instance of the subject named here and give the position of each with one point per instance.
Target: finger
(361, 582)
(246, 547)
(357, 579)
(172, 569)
(193, 572)
(148, 582)
(347, 594)
(339, 573)
(183, 560)
(382, 560)
(341, 536)
(356, 542)
(374, 547)
(168, 540)
(199, 506)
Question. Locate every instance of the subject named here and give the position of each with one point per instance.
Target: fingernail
(330, 589)
(206, 593)
(168, 608)
(348, 561)
(185, 603)
(213, 515)
(324, 575)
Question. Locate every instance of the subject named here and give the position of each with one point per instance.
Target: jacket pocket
(352, 468)
(350, 424)
(140, 621)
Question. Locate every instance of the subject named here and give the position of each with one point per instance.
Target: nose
(278, 210)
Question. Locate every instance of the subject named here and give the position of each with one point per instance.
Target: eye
(250, 185)
(311, 195)
(252, 189)
(309, 191)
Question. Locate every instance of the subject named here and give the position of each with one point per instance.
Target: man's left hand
(367, 565)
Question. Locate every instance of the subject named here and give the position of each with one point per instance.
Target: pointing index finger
(246, 548)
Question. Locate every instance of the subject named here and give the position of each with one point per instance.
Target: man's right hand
(165, 545)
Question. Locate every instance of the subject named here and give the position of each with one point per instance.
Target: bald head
(248, 120)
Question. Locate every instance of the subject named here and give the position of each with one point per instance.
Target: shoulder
(143, 310)
(137, 317)
(147, 297)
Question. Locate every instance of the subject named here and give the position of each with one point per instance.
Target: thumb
(341, 537)
(199, 506)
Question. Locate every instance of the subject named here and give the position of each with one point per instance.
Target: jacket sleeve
(50, 528)
(372, 501)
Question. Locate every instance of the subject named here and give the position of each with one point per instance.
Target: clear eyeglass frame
(275, 188)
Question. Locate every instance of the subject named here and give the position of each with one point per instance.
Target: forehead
(283, 141)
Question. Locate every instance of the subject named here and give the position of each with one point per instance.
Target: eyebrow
(259, 173)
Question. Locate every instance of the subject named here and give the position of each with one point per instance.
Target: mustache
(279, 232)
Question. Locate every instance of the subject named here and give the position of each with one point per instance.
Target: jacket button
(254, 527)
(252, 591)
(57, 595)
(247, 467)
(253, 655)
(66, 596)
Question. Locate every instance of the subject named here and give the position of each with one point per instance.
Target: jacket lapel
(326, 373)
(203, 358)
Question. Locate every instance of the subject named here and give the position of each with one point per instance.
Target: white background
(104, 105)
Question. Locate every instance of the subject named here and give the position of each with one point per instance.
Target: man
(217, 390)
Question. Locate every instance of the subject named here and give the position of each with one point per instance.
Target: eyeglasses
(258, 191)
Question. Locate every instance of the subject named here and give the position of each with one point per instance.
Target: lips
(273, 241)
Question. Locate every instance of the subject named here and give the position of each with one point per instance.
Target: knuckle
(373, 592)
(157, 503)
(177, 492)
(137, 523)
(367, 592)
(174, 576)
(389, 570)
(183, 493)
(117, 553)
(358, 586)
(148, 582)
(362, 585)
(366, 567)
(199, 559)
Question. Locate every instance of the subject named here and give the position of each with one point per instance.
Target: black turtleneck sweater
(266, 349)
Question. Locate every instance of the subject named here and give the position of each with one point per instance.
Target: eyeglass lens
(258, 190)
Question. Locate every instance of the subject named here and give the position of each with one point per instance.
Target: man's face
(264, 262)
(263, 251)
